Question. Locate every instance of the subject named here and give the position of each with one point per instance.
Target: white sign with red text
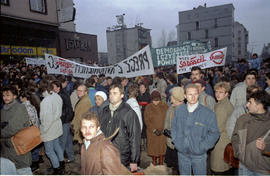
(207, 60)
(138, 64)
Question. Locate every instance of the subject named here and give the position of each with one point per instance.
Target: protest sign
(165, 56)
(138, 64)
(34, 61)
(207, 60)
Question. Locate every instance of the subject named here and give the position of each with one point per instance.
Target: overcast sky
(94, 16)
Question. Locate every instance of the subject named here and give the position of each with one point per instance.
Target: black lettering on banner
(136, 62)
(52, 64)
(145, 58)
(142, 66)
(132, 67)
(126, 62)
(121, 69)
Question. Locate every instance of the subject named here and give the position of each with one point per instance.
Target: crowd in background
(155, 101)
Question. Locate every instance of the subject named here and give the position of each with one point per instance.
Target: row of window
(198, 24)
(206, 37)
(39, 6)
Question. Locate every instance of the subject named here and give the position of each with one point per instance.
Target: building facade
(214, 24)
(240, 42)
(123, 42)
(66, 14)
(29, 28)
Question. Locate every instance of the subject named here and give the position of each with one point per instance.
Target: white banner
(138, 64)
(34, 61)
(212, 59)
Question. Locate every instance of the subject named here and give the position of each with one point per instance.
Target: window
(216, 42)
(189, 35)
(239, 52)
(5, 2)
(197, 25)
(206, 33)
(38, 6)
(216, 23)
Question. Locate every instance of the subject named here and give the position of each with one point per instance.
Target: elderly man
(81, 107)
(194, 132)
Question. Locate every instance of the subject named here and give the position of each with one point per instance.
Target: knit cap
(178, 93)
(102, 94)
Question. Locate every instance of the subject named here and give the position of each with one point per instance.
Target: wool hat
(155, 95)
(102, 94)
(178, 93)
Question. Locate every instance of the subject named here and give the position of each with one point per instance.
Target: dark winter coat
(67, 111)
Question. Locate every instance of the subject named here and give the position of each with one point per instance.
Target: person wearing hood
(101, 101)
(251, 139)
(98, 155)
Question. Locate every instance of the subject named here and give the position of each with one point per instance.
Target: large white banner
(34, 61)
(138, 64)
(212, 59)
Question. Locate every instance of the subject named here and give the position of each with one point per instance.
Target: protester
(250, 140)
(119, 114)
(51, 126)
(133, 103)
(154, 116)
(177, 99)
(98, 155)
(83, 105)
(161, 85)
(223, 110)
(14, 117)
(91, 84)
(101, 102)
(194, 132)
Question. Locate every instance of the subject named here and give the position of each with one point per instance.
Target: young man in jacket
(14, 117)
(194, 132)
(249, 140)
(98, 155)
(119, 114)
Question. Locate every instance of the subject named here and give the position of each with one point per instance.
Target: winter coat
(207, 100)
(237, 112)
(135, 106)
(74, 99)
(16, 117)
(128, 139)
(196, 132)
(223, 110)
(101, 158)
(50, 113)
(239, 95)
(154, 117)
(143, 100)
(67, 111)
(249, 127)
(82, 106)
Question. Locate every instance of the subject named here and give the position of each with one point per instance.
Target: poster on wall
(212, 59)
(138, 64)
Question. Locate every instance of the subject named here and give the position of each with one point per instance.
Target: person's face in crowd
(23, 99)
(156, 102)
(115, 96)
(192, 95)
(250, 80)
(109, 81)
(81, 91)
(142, 89)
(8, 97)
(99, 100)
(252, 106)
(221, 93)
(89, 129)
(201, 88)
(196, 75)
(56, 89)
(124, 82)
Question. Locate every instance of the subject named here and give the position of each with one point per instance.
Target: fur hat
(178, 93)
(102, 94)
(155, 95)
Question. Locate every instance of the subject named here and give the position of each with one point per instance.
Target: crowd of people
(185, 121)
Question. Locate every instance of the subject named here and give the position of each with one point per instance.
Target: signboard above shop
(166, 56)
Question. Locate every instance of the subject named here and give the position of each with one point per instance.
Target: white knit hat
(102, 94)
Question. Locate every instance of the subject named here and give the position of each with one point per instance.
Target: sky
(94, 16)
